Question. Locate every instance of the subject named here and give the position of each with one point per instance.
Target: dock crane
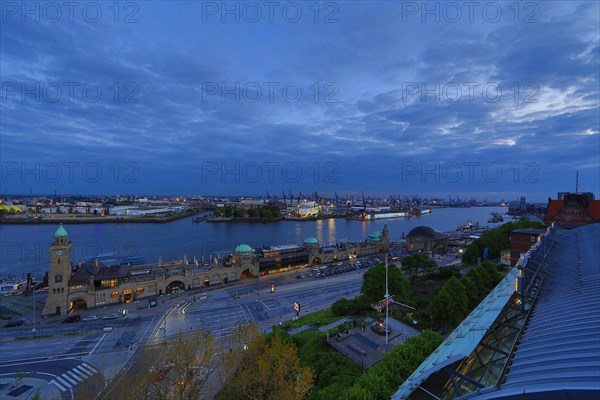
(284, 199)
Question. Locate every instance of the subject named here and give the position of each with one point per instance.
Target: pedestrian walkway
(333, 325)
(72, 377)
(321, 328)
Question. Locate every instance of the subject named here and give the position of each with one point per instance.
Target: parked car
(111, 316)
(16, 323)
(90, 318)
(71, 319)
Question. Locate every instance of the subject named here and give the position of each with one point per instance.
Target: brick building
(521, 241)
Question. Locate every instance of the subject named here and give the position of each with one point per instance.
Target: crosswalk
(72, 377)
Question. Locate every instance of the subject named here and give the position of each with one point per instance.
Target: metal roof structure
(543, 343)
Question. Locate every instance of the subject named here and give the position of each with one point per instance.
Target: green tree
(419, 261)
(373, 286)
(450, 305)
(471, 291)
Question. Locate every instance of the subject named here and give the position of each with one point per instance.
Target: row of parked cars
(76, 318)
(340, 268)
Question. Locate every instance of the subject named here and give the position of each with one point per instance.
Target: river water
(24, 248)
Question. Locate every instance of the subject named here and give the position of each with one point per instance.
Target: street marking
(74, 375)
(66, 378)
(62, 389)
(264, 305)
(62, 381)
(98, 344)
(89, 368)
(243, 312)
(251, 316)
(83, 372)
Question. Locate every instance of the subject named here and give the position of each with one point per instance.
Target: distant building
(377, 242)
(423, 238)
(573, 210)
(521, 241)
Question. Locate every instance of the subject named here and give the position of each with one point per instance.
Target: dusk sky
(220, 98)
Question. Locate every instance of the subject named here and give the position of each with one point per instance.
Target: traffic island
(28, 388)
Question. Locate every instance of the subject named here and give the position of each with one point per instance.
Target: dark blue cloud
(357, 104)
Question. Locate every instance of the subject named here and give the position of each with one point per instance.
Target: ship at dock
(376, 213)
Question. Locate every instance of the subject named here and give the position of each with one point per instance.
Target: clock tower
(60, 274)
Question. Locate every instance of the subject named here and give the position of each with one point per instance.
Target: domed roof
(243, 248)
(375, 235)
(424, 231)
(311, 240)
(61, 232)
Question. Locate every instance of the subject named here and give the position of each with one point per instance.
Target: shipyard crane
(299, 197)
(268, 197)
(284, 199)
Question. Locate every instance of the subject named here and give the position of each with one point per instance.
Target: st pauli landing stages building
(94, 283)
(99, 282)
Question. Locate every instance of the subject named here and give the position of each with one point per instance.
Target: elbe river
(24, 248)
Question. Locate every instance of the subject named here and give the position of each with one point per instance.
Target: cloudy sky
(496, 100)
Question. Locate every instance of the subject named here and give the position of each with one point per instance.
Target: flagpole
(387, 302)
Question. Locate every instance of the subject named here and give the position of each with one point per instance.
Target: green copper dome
(61, 232)
(243, 248)
(376, 234)
(311, 240)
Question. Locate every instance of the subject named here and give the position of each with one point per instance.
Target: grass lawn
(318, 318)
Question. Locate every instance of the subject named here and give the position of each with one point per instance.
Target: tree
(180, 369)
(269, 370)
(471, 291)
(419, 261)
(450, 305)
(373, 286)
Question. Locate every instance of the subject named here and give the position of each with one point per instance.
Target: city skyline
(491, 101)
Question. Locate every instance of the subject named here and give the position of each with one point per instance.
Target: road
(222, 311)
(67, 355)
